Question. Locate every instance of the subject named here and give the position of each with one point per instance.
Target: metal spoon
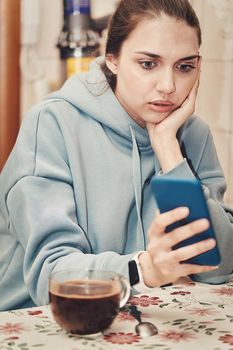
(144, 329)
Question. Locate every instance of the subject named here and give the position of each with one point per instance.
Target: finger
(189, 103)
(163, 220)
(193, 93)
(194, 90)
(191, 98)
(186, 231)
(192, 269)
(189, 251)
(150, 127)
(199, 63)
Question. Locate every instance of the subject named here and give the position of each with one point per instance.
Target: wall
(215, 102)
(42, 66)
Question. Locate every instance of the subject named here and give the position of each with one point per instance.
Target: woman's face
(156, 68)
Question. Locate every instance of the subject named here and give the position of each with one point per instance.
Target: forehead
(164, 36)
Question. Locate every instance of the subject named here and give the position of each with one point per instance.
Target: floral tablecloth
(188, 315)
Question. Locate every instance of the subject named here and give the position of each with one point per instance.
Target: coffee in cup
(87, 301)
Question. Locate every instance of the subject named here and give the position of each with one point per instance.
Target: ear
(111, 62)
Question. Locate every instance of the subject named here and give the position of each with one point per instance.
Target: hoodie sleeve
(42, 213)
(202, 162)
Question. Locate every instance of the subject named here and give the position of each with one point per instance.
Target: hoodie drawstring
(137, 184)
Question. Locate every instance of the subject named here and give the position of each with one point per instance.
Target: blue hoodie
(75, 191)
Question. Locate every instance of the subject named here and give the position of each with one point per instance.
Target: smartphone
(170, 193)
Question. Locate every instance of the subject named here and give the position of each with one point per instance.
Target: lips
(161, 106)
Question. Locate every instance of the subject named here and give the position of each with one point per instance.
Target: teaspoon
(144, 329)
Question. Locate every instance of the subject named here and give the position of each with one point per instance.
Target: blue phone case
(171, 193)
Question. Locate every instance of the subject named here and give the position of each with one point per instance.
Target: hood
(91, 93)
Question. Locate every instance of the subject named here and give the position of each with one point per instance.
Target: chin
(158, 119)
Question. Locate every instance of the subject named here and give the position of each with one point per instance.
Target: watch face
(133, 273)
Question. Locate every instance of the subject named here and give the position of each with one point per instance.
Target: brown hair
(130, 12)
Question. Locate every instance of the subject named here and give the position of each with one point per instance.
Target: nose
(166, 82)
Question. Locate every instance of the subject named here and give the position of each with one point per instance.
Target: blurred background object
(65, 36)
(79, 41)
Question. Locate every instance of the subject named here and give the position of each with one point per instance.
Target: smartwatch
(133, 273)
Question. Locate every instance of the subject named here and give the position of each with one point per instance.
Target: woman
(75, 191)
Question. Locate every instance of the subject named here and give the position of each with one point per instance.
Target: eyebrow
(153, 55)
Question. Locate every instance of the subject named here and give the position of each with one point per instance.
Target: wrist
(147, 270)
(169, 154)
(135, 275)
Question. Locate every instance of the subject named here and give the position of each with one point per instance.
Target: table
(188, 316)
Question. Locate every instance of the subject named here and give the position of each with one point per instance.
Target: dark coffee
(78, 312)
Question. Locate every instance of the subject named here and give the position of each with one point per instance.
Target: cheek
(130, 85)
(184, 88)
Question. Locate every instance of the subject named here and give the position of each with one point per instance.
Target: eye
(184, 67)
(148, 65)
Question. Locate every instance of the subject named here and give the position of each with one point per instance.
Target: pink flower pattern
(11, 328)
(35, 312)
(145, 300)
(227, 338)
(177, 335)
(223, 291)
(12, 338)
(122, 338)
(204, 311)
(123, 316)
